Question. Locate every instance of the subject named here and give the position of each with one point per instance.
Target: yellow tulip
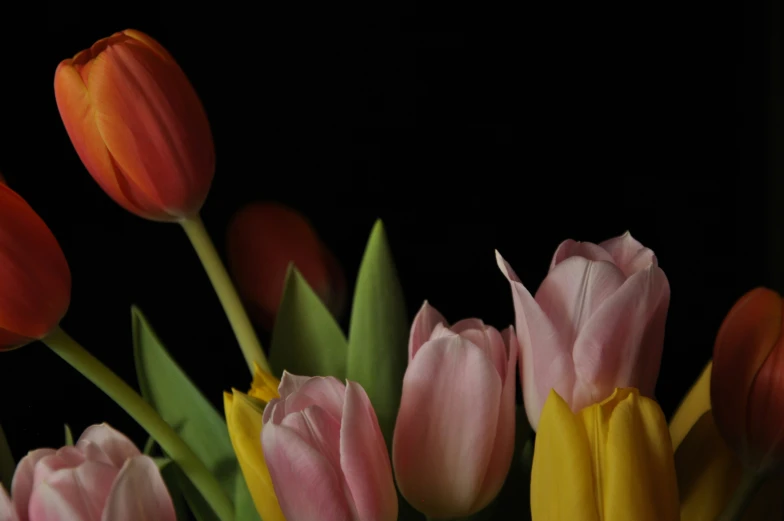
(243, 417)
(612, 461)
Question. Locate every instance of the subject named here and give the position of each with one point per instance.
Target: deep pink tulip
(455, 430)
(103, 477)
(596, 323)
(325, 452)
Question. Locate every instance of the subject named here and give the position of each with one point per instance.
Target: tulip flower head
(747, 385)
(103, 476)
(35, 281)
(596, 323)
(138, 126)
(455, 430)
(326, 454)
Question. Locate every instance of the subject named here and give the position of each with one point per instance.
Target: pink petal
(548, 364)
(326, 392)
(73, 494)
(622, 343)
(486, 338)
(22, 484)
(629, 254)
(424, 323)
(117, 447)
(139, 494)
(305, 483)
(7, 509)
(290, 383)
(63, 458)
(445, 427)
(320, 430)
(365, 460)
(571, 248)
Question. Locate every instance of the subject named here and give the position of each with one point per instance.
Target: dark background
(464, 130)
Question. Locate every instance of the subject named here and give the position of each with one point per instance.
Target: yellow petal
(243, 418)
(696, 403)
(264, 386)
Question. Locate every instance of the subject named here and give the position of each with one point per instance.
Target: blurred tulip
(104, 476)
(694, 405)
(612, 461)
(262, 240)
(747, 386)
(326, 454)
(244, 420)
(138, 126)
(595, 324)
(35, 282)
(455, 431)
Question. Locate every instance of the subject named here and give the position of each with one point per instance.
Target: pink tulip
(595, 324)
(455, 429)
(103, 477)
(325, 452)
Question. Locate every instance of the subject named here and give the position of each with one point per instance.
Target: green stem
(744, 493)
(141, 411)
(227, 294)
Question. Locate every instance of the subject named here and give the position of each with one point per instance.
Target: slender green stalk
(227, 294)
(744, 493)
(141, 411)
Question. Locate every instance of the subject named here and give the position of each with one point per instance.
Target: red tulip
(262, 240)
(137, 125)
(35, 282)
(747, 384)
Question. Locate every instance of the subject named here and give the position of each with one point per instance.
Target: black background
(465, 130)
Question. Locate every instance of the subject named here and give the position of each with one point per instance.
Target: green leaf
(378, 336)
(306, 339)
(164, 384)
(173, 476)
(243, 503)
(162, 462)
(149, 445)
(68, 436)
(7, 464)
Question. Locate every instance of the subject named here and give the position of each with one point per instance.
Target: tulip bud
(747, 387)
(262, 240)
(137, 125)
(35, 282)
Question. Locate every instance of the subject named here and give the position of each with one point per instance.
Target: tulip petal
(139, 494)
(306, 483)
(424, 323)
(63, 458)
(766, 409)
(441, 448)
(572, 248)
(694, 405)
(22, 484)
(365, 460)
(326, 392)
(290, 383)
(488, 339)
(74, 493)
(115, 445)
(7, 509)
(629, 254)
(320, 430)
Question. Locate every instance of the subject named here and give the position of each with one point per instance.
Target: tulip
(262, 240)
(137, 125)
(610, 461)
(244, 420)
(35, 282)
(455, 430)
(326, 454)
(747, 387)
(595, 324)
(104, 476)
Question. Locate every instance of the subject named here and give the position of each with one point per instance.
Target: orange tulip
(35, 282)
(747, 385)
(262, 239)
(138, 126)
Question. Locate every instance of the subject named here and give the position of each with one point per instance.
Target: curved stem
(141, 411)
(744, 493)
(227, 294)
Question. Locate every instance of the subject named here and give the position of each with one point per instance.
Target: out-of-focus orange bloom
(262, 239)
(138, 125)
(35, 282)
(747, 385)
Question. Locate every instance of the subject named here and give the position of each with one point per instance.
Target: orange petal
(766, 410)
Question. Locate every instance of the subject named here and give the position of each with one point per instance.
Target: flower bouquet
(388, 420)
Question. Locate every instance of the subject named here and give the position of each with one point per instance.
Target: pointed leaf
(7, 464)
(68, 436)
(378, 336)
(149, 445)
(306, 339)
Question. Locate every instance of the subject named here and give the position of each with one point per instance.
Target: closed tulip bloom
(103, 477)
(747, 386)
(137, 125)
(455, 430)
(262, 240)
(35, 282)
(612, 461)
(596, 323)
(326, 454)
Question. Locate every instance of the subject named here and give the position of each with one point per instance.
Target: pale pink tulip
(103, 477)
(455, 429)
(325, 452)
(596, 323)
